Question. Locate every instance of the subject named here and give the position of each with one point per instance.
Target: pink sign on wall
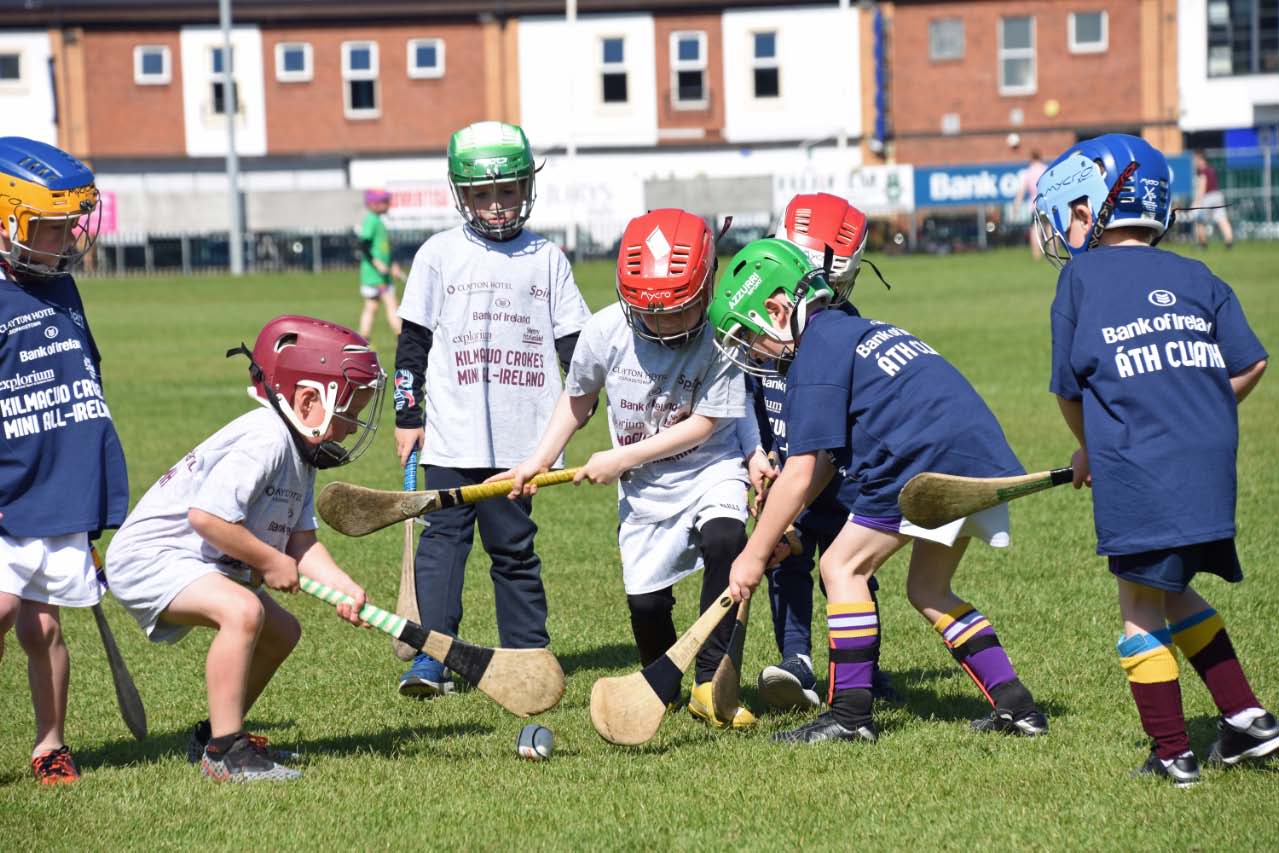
(110, 215)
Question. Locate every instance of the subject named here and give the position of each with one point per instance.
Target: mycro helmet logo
(1162, 298)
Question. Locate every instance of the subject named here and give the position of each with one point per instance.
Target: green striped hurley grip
(397, 626)
(484, 491)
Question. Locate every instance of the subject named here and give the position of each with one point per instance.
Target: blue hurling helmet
(1124, 180)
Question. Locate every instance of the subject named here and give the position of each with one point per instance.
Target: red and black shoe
(55, 767)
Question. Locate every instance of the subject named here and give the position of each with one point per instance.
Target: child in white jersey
(673, 405)
(237, 512)
(488, 308)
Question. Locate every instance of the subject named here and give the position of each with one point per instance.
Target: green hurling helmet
(484, 156)
(744, 331)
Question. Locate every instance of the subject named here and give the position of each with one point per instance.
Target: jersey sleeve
(1240, 347)
(587, 372)
(232, 484)
(818, 398)
(568, 309)
(724, 391)
(423, 290)
(1064, 383)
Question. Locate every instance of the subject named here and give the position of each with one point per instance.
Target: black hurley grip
(665, 678)
(468, 661)
(413, 635)
(1061, 476)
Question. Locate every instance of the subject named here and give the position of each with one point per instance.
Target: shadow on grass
(609, 656)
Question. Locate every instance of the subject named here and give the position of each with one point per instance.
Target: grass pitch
(383, 772)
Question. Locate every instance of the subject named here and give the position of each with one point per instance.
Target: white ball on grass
(535, 742)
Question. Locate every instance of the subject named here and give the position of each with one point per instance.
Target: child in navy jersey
(1151, 355)
(62, 474)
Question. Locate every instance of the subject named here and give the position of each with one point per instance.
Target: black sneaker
(826, 727)
(1234, 745)
(243, 763)
(1182, 771)
(790, 685)
(1029, 723)
(200, 739)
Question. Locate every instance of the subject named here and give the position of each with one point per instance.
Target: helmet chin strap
(799, 316)
(326, 454)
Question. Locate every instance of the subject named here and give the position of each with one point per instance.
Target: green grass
(382, 772)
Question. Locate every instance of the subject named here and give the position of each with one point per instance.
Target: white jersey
(652, 387)
(249, 472)
(494, 310)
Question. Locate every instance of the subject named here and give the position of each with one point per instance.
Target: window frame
(685, 65)
(306, 75)
(216, 79)
(963, 40)
(606, 68)
(1003, 53)
(1072, 41)
(773, 63)
(164, 78)
(370, 75)
(417, 72)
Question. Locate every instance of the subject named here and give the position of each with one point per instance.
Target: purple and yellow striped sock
(853, 628)
(975, 646)
(1152, 675)
(1202, 638)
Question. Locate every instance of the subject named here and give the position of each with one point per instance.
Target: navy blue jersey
(1148, 340)
(61, 465)
(893, 405)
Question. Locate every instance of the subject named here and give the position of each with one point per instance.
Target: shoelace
(55, 765)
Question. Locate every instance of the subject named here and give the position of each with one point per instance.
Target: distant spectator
(1208, 195)
(377, 271)
(1026, 195)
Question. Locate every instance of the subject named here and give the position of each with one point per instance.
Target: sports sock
(851, 707)
(1202, 638)
(854, 643)
(975, 646)
(651, 623)
(221, 745)
(1152, 676)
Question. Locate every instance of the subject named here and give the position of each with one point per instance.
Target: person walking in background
(1026, 195)
(1211, 203)
(377, 271)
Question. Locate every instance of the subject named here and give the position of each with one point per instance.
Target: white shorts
(55, 570)
(146, 582)
(656, 554)
(990, 526)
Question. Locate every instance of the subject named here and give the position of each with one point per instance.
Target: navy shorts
(1173, 568)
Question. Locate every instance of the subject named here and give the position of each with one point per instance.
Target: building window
(219, 84)
(293, 62)
(765, 70)
(1243, 37)
(426, 58)
(1088, 32)
(1017, 56)
(359, 79)
(151, 65)
(688, 71)
(946, 39)
(613, 70)
(10, 68)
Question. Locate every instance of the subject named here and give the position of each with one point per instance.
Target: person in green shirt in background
(377, 271)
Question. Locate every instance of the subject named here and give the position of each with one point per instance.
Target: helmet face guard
(665, 267)
(492, 156)
(50, 210)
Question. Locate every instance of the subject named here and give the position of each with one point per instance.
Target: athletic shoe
(702, 707)
(882, 688)
(426, 679)
(790, 685)
(1030, 723)
(1182, 771)
(243, 763)
(55, 767)
(1234, 745)
(825, 727)
(200, 739)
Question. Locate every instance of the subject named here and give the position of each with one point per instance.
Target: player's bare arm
(315, 561)
(1243, 383)
(278, 570)
(786, 499)
(569, 415)
(1073, 413)
(608, 465)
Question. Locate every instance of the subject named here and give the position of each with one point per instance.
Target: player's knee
(651, 605)
(241, 614)
(722, 540)
(922, 593)
(8, 612)
(38, 631)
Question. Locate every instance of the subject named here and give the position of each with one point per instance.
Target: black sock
(1012, 696)
(851, 707)
(222, 745)
(203, 731)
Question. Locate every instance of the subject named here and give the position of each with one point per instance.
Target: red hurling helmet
(295, 352)
(664, 268)
(817, 221)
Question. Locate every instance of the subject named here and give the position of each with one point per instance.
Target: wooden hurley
(932, 500)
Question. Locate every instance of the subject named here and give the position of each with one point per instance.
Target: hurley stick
(406, 602)
(132, 710)
(931, 500)
(523, 681)
(357, 511)
(726, 686)
(628, 709)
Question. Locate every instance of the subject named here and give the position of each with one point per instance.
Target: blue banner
(967, 185)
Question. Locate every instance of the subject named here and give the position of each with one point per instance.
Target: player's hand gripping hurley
(358, 511)
(523, 681)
